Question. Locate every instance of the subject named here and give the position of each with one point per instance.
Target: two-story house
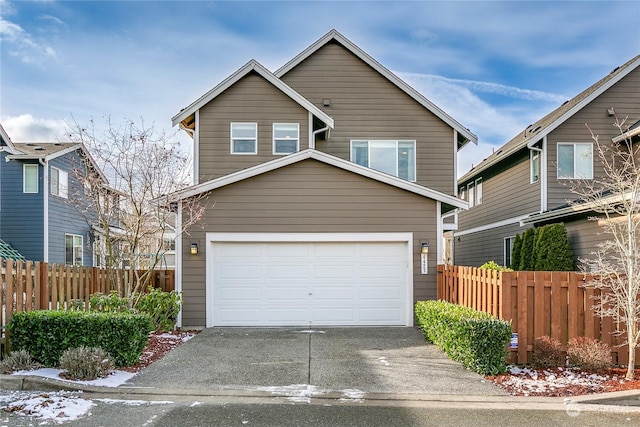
(527, 182)
(328, 180)
(40, 192)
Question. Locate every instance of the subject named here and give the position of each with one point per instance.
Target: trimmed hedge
(46, 334)
(473, 338)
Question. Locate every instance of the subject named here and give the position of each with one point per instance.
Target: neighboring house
(328, 180)
(39, 191)
(526, 182)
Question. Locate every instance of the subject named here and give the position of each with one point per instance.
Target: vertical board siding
(557, 304)
(308, 197)
(365, 105)
(252, 99)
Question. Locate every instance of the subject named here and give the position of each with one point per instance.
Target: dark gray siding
(624, 97)
(477, 248)
(64, 216)
(308, 197)
(365, 105)
(584, 236)
(21, 215)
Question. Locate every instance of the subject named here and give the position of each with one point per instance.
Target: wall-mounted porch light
(194, 249)
(424, 248)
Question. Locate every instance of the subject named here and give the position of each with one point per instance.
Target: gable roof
(251, 66)
(324, 158)
(334, 35)
(10, 147)
(534, 132)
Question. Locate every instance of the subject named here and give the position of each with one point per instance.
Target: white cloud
(21, 44)
(26, 128)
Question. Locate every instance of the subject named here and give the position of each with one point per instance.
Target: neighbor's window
(29, 178)
(508, 249)
(59, 182)
(286, 138)
(73, 249)
(535, 165)
(396, 158)
(471, 193)
(244, 138)
(478, 191)
(575, 160)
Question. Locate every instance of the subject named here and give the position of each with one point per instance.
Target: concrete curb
(618, 402)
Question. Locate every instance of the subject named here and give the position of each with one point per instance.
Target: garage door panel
(309, 283)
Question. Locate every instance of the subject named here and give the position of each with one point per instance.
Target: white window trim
(73, 246)
(476, 193)
(532, 156)
(274, 138)
(24, 178)
(574, 159)
(63, 189)
(504, 249)
(368, 141)
(471, 194)
(231, 138)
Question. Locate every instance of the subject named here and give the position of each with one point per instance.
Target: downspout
(542, 176)
(316, 132)
(45, 210)
(178, 268)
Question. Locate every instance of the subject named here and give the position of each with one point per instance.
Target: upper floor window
(575, 160)
(59, 183)
(73, 249)
(474, 192)
(396, 158)
(286, 138)
(244, 138)
(29, 178)
(535, 166)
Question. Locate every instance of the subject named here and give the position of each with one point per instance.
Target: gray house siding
(624, 98)
(21, 215)
(365, 105)
(477, 248)
(307, 197)
(252, 99)
(64, 217)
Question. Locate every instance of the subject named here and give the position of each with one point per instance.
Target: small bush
(111, 303)
(86, 363)
(589, 354)
(492, 265)
(161, 307)
(19, 360)
(547, 353)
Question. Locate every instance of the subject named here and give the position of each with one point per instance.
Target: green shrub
(526, 251)
(589, 354)
(46, 334)
(473, 338)
(552, 251)
(111, 303)
(515, 252)
(86, 363)
(162, 307)
(19, 360)
(546, 353)
(492, 265)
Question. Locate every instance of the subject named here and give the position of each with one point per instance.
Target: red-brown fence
(31, 285)
(553, 303)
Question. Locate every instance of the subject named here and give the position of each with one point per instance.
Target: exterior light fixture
(194, 249)
(611, 112)
(424, 248)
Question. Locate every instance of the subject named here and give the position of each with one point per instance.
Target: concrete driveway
(351, 360)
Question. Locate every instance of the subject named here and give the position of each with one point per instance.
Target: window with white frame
(244, 138)
(471, 194)
(59, 183)
(478, 191)
(534, 157)
(73, 249)
(397, 158)
(286, 138)
(29, 178)
(575, 160)
(508, 250)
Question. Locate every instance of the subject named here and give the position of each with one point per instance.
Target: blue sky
(494, 66)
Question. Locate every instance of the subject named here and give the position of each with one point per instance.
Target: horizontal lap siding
(365, 105)
(297, 199)
(252, 99)
(507, 194)
(584, 236)
(477, 248)
(624, 97)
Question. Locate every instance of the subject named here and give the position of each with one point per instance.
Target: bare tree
(132, 216)
(615, 265)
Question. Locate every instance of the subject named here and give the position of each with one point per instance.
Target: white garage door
(309, 283)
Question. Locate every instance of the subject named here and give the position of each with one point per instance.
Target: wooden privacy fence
(31, 285)
(553, 303)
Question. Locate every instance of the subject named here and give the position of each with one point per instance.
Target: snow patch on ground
(309, 331)
(134, 402)
(532, 382)
(115, 379)
(302, 393)
(58, 407)
(184, 337)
